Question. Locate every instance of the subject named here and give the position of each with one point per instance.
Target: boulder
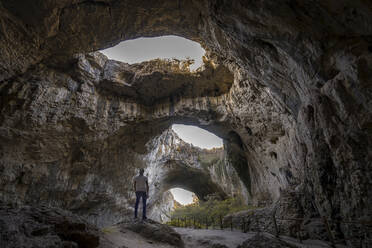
(155, 231)
(42, 226)
(260, 241)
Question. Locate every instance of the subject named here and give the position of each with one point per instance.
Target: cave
(173, 163)
(172, 199)
(285, 84)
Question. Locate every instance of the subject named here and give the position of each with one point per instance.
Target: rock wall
(161, 210)
(44, 226)
(297, 112)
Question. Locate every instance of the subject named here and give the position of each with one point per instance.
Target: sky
(197, 136)
(144, 49)
(182, 196)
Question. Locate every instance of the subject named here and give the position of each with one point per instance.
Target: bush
(211, 211)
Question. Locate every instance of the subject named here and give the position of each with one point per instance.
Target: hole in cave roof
(163, 47)
(197, 136)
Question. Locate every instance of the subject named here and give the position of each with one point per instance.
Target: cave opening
(197, 136)
(183, 196)
(161, 47)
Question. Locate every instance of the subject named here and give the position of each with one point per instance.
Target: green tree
(213, 209)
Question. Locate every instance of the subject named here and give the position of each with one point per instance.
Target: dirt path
(196, 238)
(207, 238)
(115, 238)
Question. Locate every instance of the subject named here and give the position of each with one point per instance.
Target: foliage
(212, 210)
(174, 65)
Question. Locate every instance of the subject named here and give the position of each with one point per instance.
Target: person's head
(142, 171)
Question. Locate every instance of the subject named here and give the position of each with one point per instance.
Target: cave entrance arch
(177, 174)
(180, 175)
(169, 201)
(172, 163)
(183, 197)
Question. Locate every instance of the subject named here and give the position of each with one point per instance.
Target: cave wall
(298, 111)
(161, 210)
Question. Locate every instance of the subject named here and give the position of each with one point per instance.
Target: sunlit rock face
(45, 226)
(161, 208)
(297, 114)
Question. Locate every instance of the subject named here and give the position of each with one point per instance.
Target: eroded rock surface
(43, 226)
(154, 231)
(297, 114)
(263, 241)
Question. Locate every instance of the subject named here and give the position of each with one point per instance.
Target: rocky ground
(118, 237)
(211, 238)
(172, 162)
(152, 230)
(43, 226)
(236, 239)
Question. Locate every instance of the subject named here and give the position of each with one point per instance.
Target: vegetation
(174, 65)
(211, 211)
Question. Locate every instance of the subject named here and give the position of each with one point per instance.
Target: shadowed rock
(261, 241)
(154, 231)
(42, 226)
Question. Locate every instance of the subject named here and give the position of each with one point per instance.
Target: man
(141, 187)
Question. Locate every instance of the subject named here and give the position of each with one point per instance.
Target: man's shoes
(144, 219)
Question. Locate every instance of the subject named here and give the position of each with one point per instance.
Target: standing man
(141, 187)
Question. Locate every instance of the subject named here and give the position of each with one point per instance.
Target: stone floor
(116, 237)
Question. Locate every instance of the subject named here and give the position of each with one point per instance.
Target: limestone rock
(27, 226)
(154, 231)
(263, 241)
